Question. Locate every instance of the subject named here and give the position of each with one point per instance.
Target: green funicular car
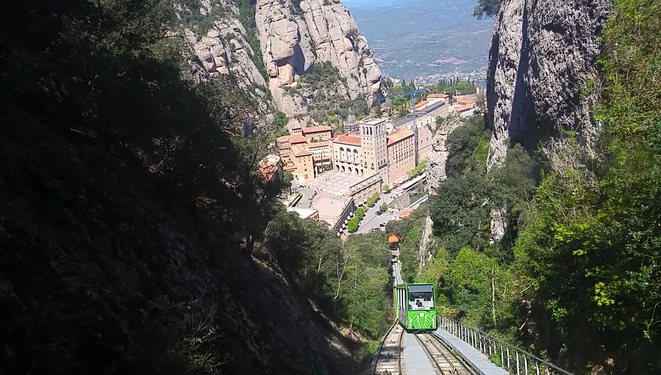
(416, 310)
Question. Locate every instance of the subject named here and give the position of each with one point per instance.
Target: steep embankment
(101, 273)
(130, 203)
(542, 64)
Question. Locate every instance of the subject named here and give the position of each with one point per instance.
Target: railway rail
(444, 360)
(390, 355)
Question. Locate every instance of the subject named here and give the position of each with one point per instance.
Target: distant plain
(424, 39)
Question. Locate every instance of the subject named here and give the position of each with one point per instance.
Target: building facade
(317, 133)
(425, 124)
(401, 157)
(374, 142)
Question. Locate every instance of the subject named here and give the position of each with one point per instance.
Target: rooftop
(405, 213)
(304, 213)
(336, 183)
(318, 144)
(347, 139)
(437, 96)
(293, 139)
(421, 104)
(316, 129)
(399, 135)
(408, 118)
(284, 138)
(373, 121)
(299, 151)
(330, 209)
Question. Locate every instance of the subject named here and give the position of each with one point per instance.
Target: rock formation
(438, 156)
(542, 60)
(224, 49)
(542, 63)
(294, 37)
(436, 173)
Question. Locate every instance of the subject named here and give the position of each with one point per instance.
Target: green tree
(487, 8)
(383, 207)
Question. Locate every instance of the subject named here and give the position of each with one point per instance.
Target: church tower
(374, 142)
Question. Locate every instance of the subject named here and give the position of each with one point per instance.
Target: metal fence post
(502, 358)
(517, 363)
(525, 363)
(508, 359)
(537, 367)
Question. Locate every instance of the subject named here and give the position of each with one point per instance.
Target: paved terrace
(335, 183)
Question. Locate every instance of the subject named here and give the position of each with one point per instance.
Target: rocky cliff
(293, 37)
(542, 64)
(542, 80)
(436, 173)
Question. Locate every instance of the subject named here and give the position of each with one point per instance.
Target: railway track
(443, 359)
(390, 356)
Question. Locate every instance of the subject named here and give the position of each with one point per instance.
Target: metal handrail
(512, 358)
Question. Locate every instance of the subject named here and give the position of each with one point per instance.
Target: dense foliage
(487, 8)
(320, 84)
(112, 83)
(576, 278)
(409, 230)
(347, 281)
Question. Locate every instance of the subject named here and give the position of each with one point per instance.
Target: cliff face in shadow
(542, 63)
(102, 272)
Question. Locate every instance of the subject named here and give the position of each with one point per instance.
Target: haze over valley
(426, 39)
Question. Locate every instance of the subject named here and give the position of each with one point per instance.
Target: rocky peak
(290, 36)
(294, 35)
(542, 63)
(542, 59)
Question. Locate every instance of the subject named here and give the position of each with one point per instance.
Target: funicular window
(421, 297)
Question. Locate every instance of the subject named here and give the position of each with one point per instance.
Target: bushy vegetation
(321, 84)
(105, 79)
(409, 229)
(487, 8)
(576, 277)
(347, 281)
(247, 19)
(372, 199)
(419, 169)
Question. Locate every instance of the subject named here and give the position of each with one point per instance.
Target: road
(371, 219)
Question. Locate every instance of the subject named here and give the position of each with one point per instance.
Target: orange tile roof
(300, 150)
(293, 139)
(463, 109)
(303, 153)
(421, 104)
(437, 96)
(316, 129)
(347, 139)
(464, 101)
(399, 135)
(393, 238)
(284, 138)
(405, 212)
(318, 144)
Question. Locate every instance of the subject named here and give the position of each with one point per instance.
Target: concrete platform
(416, 361)
(478, 361)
